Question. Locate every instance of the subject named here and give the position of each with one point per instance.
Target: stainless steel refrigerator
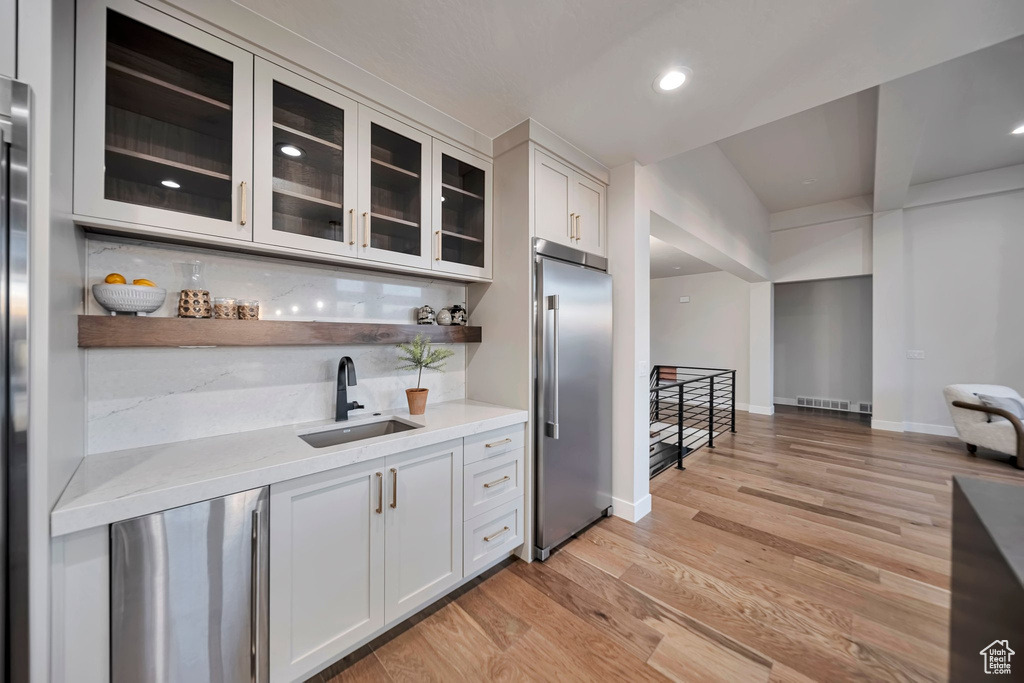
(15, 101)
(573, 429)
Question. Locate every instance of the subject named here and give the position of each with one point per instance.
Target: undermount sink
(340, 435)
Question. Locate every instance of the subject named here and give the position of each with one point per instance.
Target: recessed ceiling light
(673, 79)
(1019, 130)
(170, 183)
(290, 150)
(810, 181)
(677, 267)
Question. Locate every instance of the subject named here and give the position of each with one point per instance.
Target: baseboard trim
(925, 428)
(761, 410)
(785, 401)
(631, 512)
(887, 426)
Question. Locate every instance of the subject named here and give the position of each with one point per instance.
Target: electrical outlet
(684, 299)
(645, 369)
(915, 354)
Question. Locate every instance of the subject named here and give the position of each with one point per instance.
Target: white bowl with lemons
(117, 296)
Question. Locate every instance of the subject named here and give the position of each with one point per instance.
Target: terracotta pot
(417, 399)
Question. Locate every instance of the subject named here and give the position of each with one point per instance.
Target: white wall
(964, 281)
(629, 264)
(711, 331)
(715, 214)
(831, 250)
(823, 339)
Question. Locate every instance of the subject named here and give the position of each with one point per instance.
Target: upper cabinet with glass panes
(163, 123)
(181, 135)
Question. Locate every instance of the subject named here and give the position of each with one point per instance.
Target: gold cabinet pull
(380, 492)
(493, 536)
(579, 227)
(366, 237)
(497, 443)
(495, 483)
(394, 488)
(572, 226)
(437, 257)
(245, 201)
(352, 226)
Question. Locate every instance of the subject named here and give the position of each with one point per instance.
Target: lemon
(144, 282)
(115, 279)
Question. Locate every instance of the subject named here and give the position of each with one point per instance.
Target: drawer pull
(394, 488)
(495, 483)
(493, 536)
(497, 443)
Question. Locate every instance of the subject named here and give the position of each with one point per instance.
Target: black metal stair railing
(689, 408)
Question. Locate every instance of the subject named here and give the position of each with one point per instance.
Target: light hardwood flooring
(805, 547)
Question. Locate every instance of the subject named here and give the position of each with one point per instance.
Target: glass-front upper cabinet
(305, 163)
(163, 122)
(394, 192)
(461, 212)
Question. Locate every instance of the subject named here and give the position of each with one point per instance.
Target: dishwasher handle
(254, 599)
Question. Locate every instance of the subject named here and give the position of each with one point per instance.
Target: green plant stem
(419, 378)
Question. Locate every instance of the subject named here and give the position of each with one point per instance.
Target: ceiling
(819, 155)
(667, 261)
(970, 118)
(584, 68)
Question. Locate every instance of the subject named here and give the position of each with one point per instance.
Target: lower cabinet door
(423, 555)
(326, 567)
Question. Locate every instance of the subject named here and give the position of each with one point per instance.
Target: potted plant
(417, 355)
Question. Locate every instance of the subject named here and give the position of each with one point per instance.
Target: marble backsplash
(141, 397)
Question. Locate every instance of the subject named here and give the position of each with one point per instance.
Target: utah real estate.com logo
(997, 657)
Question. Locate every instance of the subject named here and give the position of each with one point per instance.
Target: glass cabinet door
(304, 163)
(163, 122)
(462, 212)
(395, 197)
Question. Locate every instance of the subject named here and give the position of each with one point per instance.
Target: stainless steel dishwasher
(188, 593)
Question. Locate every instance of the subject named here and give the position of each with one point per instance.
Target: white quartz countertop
(110, 487)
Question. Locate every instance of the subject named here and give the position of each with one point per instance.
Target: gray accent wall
(823, 339)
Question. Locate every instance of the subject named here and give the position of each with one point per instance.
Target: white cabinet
(394, 191)
(163, 122)
(304, 163)
(591, 224)
(423, 535)
(569, 208)
(553, 187)
(327, 571)
(357, 548)
(8, 33)
(462, 192)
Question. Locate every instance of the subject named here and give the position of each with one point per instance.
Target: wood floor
(806, 547)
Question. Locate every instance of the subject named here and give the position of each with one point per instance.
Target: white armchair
(971, 419)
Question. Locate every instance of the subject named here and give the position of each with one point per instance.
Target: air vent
(833, 404)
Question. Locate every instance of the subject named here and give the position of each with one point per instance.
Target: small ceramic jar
(444, 317)
(459, 315)
(225, 308)
(425, 316)
(248, 309)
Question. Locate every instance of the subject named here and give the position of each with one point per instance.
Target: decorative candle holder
(225, 309)
(248, 309)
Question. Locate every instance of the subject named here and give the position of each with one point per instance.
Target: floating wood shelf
(118, 332)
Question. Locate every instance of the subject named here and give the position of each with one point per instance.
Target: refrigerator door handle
(552, 426)
(254, 598)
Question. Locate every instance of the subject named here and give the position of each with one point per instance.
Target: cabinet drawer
(492, 482)
(491, 536)
(494, 442)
